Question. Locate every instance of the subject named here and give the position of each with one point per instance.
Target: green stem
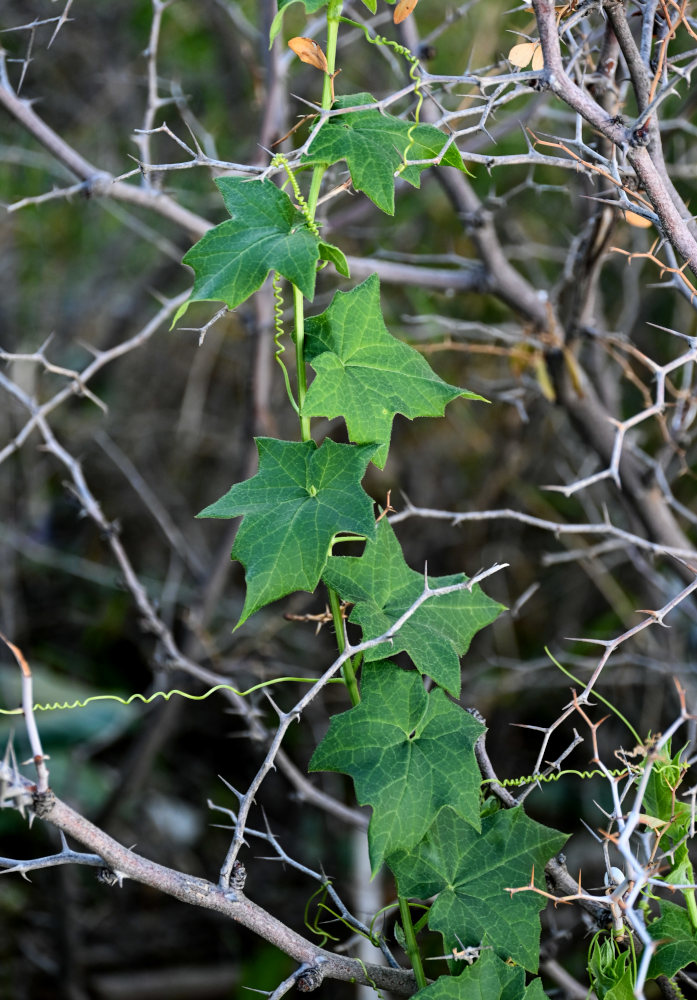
(299, 323)
(689, 895)
(410, 941)
(348, 669)
(333, 16)
(333, 21)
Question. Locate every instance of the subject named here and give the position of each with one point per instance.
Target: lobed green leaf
(301, 497)
(488, 979)
(374, 146)
(470, 873)
(265, 233)
(677, 939)
(365, 374)
(409, 753)
(383, 587)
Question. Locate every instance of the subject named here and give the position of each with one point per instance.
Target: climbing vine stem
(412, 947)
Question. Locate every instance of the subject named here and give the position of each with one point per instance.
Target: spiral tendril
(280, 160)
(57, 706)
(278, 333)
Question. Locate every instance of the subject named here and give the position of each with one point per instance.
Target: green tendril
(605, 702)
(278, 333)
(280, 160)
(407, 54)
(371, 982)
(313, 924)
(528, 779)
(65, 706)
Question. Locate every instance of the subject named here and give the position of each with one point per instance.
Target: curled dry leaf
(521, 55)
(403, 10)
(308, 51)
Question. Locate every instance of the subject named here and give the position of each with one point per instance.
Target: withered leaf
(309, 51)
(521, 55)
(403, 10)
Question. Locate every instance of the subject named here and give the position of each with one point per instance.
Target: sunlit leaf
(375, 145)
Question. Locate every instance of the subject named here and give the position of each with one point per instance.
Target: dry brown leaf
(403, 10)
(637, 220)
(309, 51)
(520, 55)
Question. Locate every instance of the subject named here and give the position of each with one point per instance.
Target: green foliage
(409, 753)
(375, 145)
(364, 374)
(677, 939)
(299, 500)
(470, 872)
(673, 822)
(611, 970)
(311, 7)
(488, 979)
(383, 587)
(265, 233)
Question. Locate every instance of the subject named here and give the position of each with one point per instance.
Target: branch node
(310, 979)
(43, 803)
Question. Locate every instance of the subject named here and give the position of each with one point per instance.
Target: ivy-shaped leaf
(469, 873)
(365, 374)
(300, 498)
(383, 587)
(374, 145)
(266, 233)
(488, 979)
(409, 753)
(311, 6)
(677, 940)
